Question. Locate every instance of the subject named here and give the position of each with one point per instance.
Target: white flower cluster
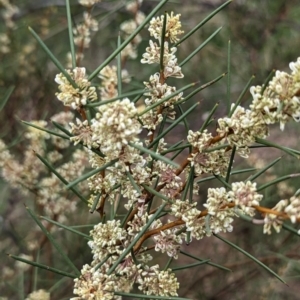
(129, 26)
(93, 284)
(133, 5)
(82, 133)
(108, 242)
(204, 158)
(115, 126)
(245, 196)
(4, 42)
(280, 99)
(220, 206)
(105, 239)
(173, 28)
(25, 174)
(275, 103)
(39, 295)
(293, 209)
(156, 282)
(289, 207)
(152, 56)
(156, 88)
(157, 91)
(82, 32)
(88, 3)
(220, 214)
(37, 134)
(272, 220)
(109, 81)
(28, 174)
(168, 241)
(78, 96)
(8, 13)
(168, 179)
(191, 217)
(242, 128)
(21, 265)
(52, 197)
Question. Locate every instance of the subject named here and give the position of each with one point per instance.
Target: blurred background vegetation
(264, 36)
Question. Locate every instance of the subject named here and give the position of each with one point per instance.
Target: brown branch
(263, 210)
(82, 113)
(103, 198)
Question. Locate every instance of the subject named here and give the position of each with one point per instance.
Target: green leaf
(125, 95)
(6, 96)
(148, 108)
(202, 87)
(238, 101)
(66, 227)
(126, 217)
(173, 125)
(205, 124)
(203, 22)
(46, 130)
(232, 173)
(265, 84)
(62, 128)
(128, 40)
(201, 260)
(272, 144)
(186, 125)
(95, 203)
(64, 181)
(228, 77)
(191, 265)
(91, 173)
(38, 265)
(155, 192)
(291, 229)
(162, 43)
(53, 242)
(53, 58)
(119, 67)
(250, 256)
(188, 185)
(154, 155)
(142, 296)
(230, 164)
(171, 149)
(133, 183)
(264, 186)
(70, 30)
(35, 279)
(168, 263)
(199, 47)
(263, 170)
(138, 236)
(222, 180)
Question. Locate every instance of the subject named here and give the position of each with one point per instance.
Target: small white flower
(115, 126)
(75, 97)
(244, 195)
